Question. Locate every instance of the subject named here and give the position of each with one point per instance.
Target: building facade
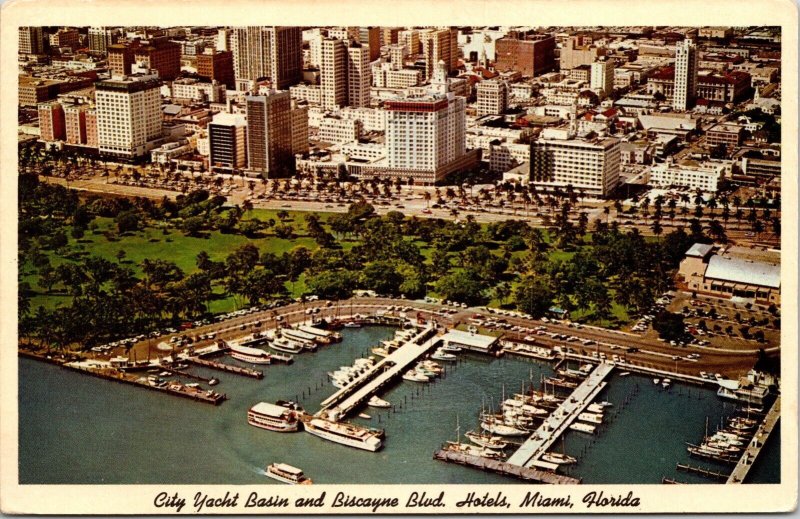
(227, 142)
(51, 122)
(215, 65)
(269, 134)
(685, 75)
(530, 54)
(492, 97)
(128, 116)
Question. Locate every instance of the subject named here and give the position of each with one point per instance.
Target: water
(79, 429)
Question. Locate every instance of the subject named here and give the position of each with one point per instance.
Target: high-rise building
(224, 37)
(410, 38)
(602, 78)
(397, 55)
(389, 35)
(574, 53)
(559, 159)
(216, 65)
(439, 45)
(65, 38)
(227, 141)
(333, 73)
(492, 97)
(299, 128)
(75, 122)
(120, 58)
(128, 115)
(370, 37)
(51, 122)
(100, 38)
(162, 56)
(685, 75)
(31, 40)
(359, 75)
(273, 52)
(315, 48)
(269, 134)
(92, 140)
(531, 54)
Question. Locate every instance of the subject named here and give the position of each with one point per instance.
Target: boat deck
(750, 454)
(561, 418)
(398, 362)
(505, 468)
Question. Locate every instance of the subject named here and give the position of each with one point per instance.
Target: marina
(740, 472)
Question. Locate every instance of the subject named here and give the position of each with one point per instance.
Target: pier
(505, 468)
(702, 472)
(753, 449)
(560, 419)
(361, 389)
(230, 368)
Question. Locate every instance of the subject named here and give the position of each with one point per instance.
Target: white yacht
(345, 434)
(286, 474)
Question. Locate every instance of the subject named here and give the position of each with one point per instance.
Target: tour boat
(558, 458)
(415, 376)
(273, 417)
(377, 402)
(345, 434)
(250, 355)
(443, 355)
(321, 336)
(285, 345)
(308, 341)
(486, 440)
(286, 474)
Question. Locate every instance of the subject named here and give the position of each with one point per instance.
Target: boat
(365, 416)
(558, 458)
(374, 401)
(605, 403)
(345, 434)
(250, 355)
(486, 440)
(666, 382)
(624, 373)
(656, 381)
(382, 352)
(590, 417)
(285, 345)
(582, 427)
(322, 336)
(496, 427)
(213, 382)
(352, 324)
(444, 356)
(274, 417)
(286, 474)
(449, 348)
(164, 374)
(193, 385)
(415, 376)
(472, 450)
(308, 340)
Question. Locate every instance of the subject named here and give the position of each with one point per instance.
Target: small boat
(164, 374)
(382, 352)
(449, 348)
(582, 427)
(656, 381)
(558, 458)
(352, 324)
(365, 416)
(495, 427)
(415, 376)
(444, 356)
(605, 403)
(472, 450)
(591, 418)
(193, 385)
(624, 373)
(287, 474)
(486, 440)
(213, 382)
(377, 402)
(285, 345)
(666, 382)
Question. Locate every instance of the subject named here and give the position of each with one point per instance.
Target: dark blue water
(79, 429)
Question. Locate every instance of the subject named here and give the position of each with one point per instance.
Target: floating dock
(560, 419)
(344, 401)
(702, 472)
(753, 449)
(229, 368)
(505, 468)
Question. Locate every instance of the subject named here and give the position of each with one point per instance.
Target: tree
(127, 221)
(461, 286)
(120, 255)
(533, 296)
(193, 225)
(283, 231)
(331, 284)
(669, 326)
(382, 277)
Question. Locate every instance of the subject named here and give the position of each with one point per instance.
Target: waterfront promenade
(348, 398)
(556, 424)
(747, 460)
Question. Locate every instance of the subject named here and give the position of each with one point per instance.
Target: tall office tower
(492, 97)
(273, 52)
(269, 134)
(227, 142)
(389, 35)
(529, 53)
(425, 133)
(128, 115)
(100, 38)
(31, 40)
(224, 37)
(315, 49)
(410, 38)
(299, 128)
(602, 78)
(685, 75)
(160, 55)
(397, 55)
(120, 59)
(371, 38)
(359, 75)
(333, 73)
(439, 45)
(75, 122)
(51, 122)
(216, 65)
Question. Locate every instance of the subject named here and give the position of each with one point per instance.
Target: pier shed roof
(471, 340)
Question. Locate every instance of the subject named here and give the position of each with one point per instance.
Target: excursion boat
(486, 440)
(374, 401)
(322, 336)
(285, 345)
(274, 417)
(559, 458)
(250, 355)
(345, 434)
(286, 474)
(300, 336)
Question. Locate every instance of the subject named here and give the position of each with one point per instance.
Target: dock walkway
(756, 444)
(505, 468)
(560, 419)
(230, 368)
(398, 362)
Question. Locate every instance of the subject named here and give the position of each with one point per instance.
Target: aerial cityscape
(502, 255)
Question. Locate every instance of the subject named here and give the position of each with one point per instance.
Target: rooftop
(699, 250)
(473, 340)
(740, 270)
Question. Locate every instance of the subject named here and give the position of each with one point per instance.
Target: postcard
(399, 257)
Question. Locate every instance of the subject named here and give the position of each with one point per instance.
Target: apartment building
(128, 116)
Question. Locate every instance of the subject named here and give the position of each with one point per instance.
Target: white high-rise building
(333, 73)
(602, 78)
(128, 115)
(685, 75)
(492, 97)
(359, 75)
(273, 52)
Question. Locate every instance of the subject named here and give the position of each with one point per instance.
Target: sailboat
(470, 450)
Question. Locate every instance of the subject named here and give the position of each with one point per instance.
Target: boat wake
(259, 470)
